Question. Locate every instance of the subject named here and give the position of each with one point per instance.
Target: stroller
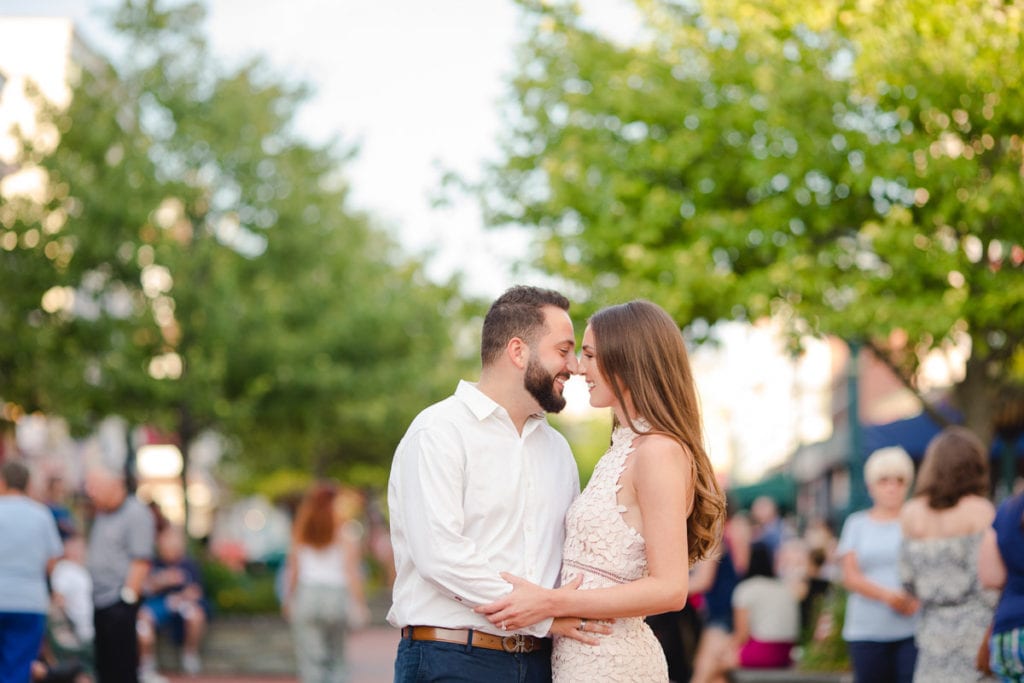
(65, 657)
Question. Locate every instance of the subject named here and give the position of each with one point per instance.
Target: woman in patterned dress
(943, 524)
(651, 509)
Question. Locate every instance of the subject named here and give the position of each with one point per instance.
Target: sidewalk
(371, 654)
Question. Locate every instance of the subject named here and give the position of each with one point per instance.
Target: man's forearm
(137, 572)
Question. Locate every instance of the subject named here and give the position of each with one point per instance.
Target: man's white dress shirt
(470, 497)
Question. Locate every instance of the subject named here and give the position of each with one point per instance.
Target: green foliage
(589, 437)
(824, 648)
(849, 168)
(281, 483)
(249, 591)
(194, 264)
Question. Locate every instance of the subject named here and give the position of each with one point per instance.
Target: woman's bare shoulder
(654, 447)
(912, 516)
(979, 507)
(971, 514)
(913, 508)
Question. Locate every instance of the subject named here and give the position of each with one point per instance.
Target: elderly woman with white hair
(880, 622)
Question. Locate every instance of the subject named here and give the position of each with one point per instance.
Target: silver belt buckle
(516, 643)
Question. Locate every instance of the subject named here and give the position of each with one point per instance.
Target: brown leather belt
(514, 642)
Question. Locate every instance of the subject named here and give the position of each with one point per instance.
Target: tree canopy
(194, 264)
(852, 168)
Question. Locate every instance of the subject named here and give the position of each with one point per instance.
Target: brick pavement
(371, 654)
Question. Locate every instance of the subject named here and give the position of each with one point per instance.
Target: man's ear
(518, 352)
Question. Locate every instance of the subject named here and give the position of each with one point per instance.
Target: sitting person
(174, 597)
(766, 615)
(70, 628)
(766, 619)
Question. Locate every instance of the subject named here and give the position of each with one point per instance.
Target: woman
(942, 529)
(653, 488)
(879, 626)
(766, 615)
(324, 591)
(716, 579)
(766, 621)
(1001, 566)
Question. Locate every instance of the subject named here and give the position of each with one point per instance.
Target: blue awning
(912, 434)
(1001, 445)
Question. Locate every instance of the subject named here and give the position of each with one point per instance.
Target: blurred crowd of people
(79, 607)
(932, 575)
(84, 597)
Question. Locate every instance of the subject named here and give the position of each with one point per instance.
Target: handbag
(982, 660)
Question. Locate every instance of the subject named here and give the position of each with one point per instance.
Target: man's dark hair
(516, 313)
(15, 476)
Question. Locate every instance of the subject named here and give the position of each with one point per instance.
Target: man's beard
(541, 385)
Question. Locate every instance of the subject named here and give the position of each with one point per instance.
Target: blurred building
(40, 60)
(39, 57)
(871, 407)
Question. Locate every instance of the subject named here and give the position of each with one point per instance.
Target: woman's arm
(740, 536)
(352, 554)
(855, 581)
(740, 626)
(991, 568)
(290, 580)
(664, 488)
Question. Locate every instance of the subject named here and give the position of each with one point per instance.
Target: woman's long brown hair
(316, 522)
(955, 465)
(641, 349)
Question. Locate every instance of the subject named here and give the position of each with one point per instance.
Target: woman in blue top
(1001, 565)
(879, 625)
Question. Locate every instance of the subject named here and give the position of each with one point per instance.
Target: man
(174, 598)
(480, 484)
(29, 547)
(120, 551)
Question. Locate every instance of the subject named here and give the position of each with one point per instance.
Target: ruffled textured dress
(955, 609)
(601, 546)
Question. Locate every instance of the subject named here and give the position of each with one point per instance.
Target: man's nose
(572, 363)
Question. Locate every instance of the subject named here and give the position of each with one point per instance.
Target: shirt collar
(480, 404)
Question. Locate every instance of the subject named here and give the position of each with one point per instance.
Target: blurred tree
(193, 263)
(852, 168)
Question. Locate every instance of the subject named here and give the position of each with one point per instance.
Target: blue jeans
(425, 661)
(21, 634)
(883, 662)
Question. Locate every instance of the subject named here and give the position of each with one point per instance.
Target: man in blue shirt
(29, 547)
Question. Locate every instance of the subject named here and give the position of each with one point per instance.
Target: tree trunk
(977, 398)
(186, 434)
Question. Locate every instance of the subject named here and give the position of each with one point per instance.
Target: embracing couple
(505, 571)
